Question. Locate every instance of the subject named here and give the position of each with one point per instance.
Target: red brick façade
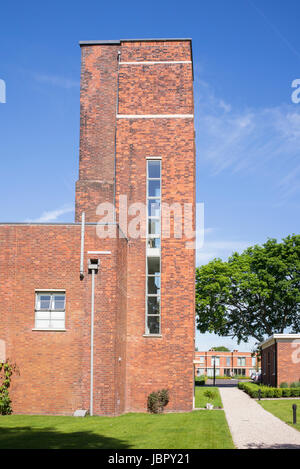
(120, 82)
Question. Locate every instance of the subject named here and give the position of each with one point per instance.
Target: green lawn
(283, 410)
(199, 429)
(201, 400)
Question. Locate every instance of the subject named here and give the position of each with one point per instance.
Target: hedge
(266, 391)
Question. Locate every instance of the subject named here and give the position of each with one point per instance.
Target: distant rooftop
(118, 41)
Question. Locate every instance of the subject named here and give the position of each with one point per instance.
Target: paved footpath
(252, 426)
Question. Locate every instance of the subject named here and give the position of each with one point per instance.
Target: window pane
(42, 324)
(57, 324)
(44, 301)
(153, 265)
(57, 315)
(154, 188)
(154, 208)
(154, 243)
(153, 305)
(154, 169)
(153, 324)
(154, 285)
(59, 302)
(42, 315)
(153, 226)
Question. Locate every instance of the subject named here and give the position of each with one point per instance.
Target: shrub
(277, 392)
(157, 401)
(284, 384)
(268, 392)
(295, 384)
(200, 380)
(6, 371)
(211, 395)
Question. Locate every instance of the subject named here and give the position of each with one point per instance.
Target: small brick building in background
(136, 143)
(226, 363)
(280, 359)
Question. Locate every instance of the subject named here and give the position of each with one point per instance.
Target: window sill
(152, 335)
(50, 330)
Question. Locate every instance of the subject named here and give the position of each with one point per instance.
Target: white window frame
(153, 252)
(241, 361)
(51, 311)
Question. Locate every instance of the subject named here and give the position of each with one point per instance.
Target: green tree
(253, 294)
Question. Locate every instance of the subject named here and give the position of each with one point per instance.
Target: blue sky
(246, 55)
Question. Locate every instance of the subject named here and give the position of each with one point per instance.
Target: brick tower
(137, 154)
(136, 119)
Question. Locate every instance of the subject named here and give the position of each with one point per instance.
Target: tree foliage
(253, 294)
(220, 348)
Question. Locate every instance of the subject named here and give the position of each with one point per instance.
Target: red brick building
(95, 316)
(226, 363)
(280, 359)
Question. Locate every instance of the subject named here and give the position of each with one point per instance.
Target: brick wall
(98, 97)
(55, 366)
(224, 364)
(158, 89)
(288, 363)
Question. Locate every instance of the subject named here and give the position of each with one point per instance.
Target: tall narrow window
(153, 247)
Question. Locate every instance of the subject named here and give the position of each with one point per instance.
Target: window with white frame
(241, 361)
(215, 360)
(153, 273)
(50, 308)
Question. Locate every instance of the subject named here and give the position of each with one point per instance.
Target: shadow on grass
(49, 438)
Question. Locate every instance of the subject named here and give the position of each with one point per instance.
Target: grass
(199, 429)
(201, 400)
(283, 410)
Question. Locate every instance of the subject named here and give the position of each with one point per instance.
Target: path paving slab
(252, 426)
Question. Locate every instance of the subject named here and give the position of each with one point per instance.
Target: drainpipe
(93, 269)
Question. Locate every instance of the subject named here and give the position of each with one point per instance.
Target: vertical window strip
(153, 244)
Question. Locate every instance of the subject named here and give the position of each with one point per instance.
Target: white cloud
(265, 139)
(52, 215)
(56, 80)
(219, 249)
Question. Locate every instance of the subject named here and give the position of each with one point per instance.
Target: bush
(200, 380)
(277, 392)
(268, 392)
(295, 384)
(284, 384)
(6, 371)
(5, 403)
(211, 395)
(157, 401)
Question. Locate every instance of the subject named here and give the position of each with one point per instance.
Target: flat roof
(118, 41)
(274, 337)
